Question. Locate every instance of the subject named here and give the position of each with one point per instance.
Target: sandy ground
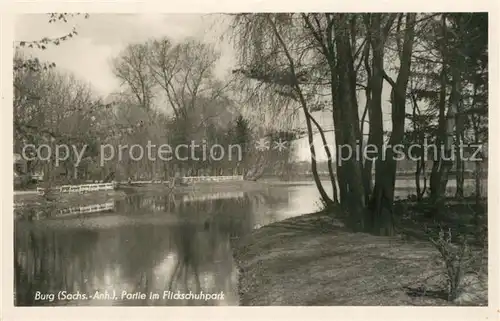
(309, 260)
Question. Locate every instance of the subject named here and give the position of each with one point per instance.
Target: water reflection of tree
(137, 204)
(265, 204)
(41, 260)
(188, 256)
(202, 242)
(80, 259)
(200, 238)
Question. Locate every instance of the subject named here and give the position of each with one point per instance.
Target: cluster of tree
(170, 94)
(178, 80)
(52, 108)
(436, 69)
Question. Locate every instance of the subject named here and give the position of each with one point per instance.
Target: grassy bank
(309, 260)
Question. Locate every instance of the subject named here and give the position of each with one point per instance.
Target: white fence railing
(80, 188)
(145, 182)
(110, 186)
(191, 179)
(87, 209)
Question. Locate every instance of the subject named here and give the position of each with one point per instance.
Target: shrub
(457, 259)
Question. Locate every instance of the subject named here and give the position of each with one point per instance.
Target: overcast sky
(102, 36)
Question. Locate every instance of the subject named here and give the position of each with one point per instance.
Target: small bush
(457, 259)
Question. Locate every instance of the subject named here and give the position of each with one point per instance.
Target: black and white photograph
(250, 159)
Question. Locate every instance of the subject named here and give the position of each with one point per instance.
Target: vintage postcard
(172, 158)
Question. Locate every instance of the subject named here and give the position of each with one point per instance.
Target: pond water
(148, 245)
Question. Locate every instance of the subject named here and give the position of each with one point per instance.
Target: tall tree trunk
(339, 139)
(417, 179)
(459, 193)
(385, 176)
(447, 151)
(477, 177)
(459, 170)
(440, 139)
(478, 165)
(446, 127)
(420, 173)
(327, 44)
(314, 167)
(346, 101)
(367, 161)
(329, 160)
(376, 135)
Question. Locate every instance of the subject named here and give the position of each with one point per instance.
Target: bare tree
(132, 68)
